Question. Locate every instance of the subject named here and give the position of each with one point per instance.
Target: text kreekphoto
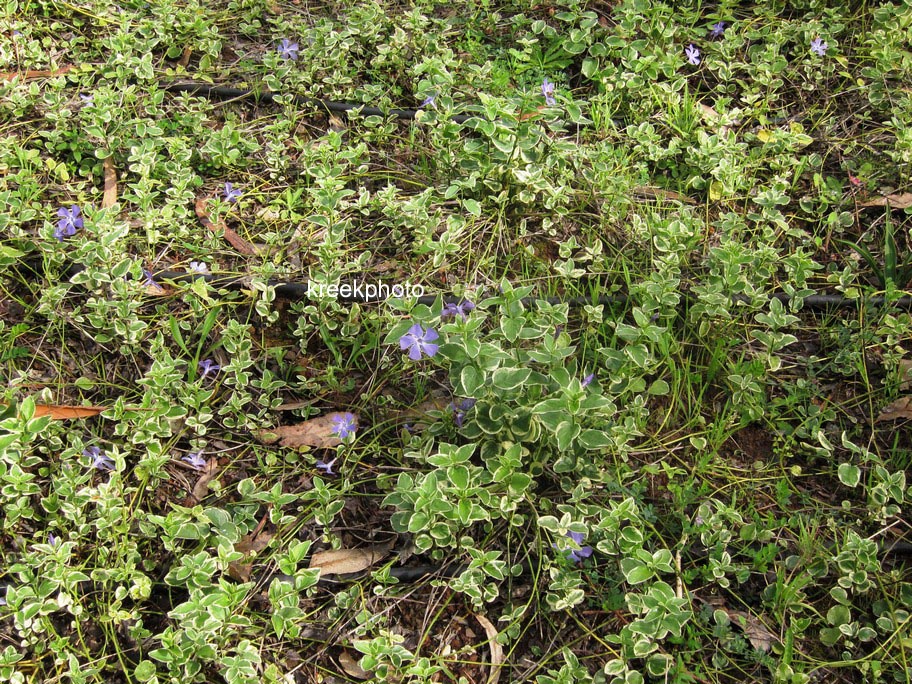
(365, 291)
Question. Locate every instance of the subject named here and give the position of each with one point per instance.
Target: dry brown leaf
(249, 545)
(27, 75)
(236, 241)
(110, 184)
(660, 193)
(351, 667)
(57, 412)
(316, 432)
(293, 405)
(207, 474)
(901, 408)
(905, 372)
(346, 561)
(755, 631)
(497, 654)
(710, 114)
(185, 57)
(896, 201)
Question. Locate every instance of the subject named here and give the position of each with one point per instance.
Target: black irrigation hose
(225, 93)
(409, 574)
(300, 291)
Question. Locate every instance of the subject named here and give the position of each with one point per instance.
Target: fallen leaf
(207, 474)
(660, 193)
(185, 57)
(755, 631)
(497, 654)
(351, 667)
(346, 561)
(57, 412)
(901, 408)
(249, 545)
(110, 184)
(293, 405)
(896, 201)
(316, 432)
(236, 241)
(710, 114)
(905, 372)
(27, 75)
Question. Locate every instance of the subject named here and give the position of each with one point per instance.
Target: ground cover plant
(612, 437)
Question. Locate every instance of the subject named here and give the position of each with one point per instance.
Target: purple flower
(68, 223)
(87, 99)
(819, 47)
(52, 539)
(288, 50)
(418, 342)
(589, 378)
(579, 553)
(99, 460)
(195, 459)
(429, 102)
(462, 309)
(231, 195)
(326, 467)
(344, 425)
(460, 410)
(150, 281)
(208, 366)
(718, 30)
(692, 54)
(198, 267)
(547, 89)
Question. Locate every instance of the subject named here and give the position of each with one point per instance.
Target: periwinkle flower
(718, 30)
(231, 195)
(326, 466)
(195, 459)
(692, 54)
(198, 267)
(419, 342)
(461, 309)
(208, 366)
(429, 102)
(288, 49)
(460, 410)
(819, 47)
(344, 425)
(68, 223)
(578, 554)
(547, 89)
(99, 460)
(589, 378)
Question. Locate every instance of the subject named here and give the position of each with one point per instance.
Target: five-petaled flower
(231, 195)
(195, 459)
(198, 267)
(87, 99)
(429, 102)
(149, 282)
(99, 460)
(418, 342)
(692, 54)
(547, 89)
(68, 223)
(461, 309)
(718, 30)
(579, 553)
(326, 467)
(344, 425)
(288, 50)
(819, 47)
(208, 366)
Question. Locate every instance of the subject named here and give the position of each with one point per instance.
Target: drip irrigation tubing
(300, 291)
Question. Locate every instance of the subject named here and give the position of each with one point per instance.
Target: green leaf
(509, 379)
(594, 439)
(471, 380)
(566, 432)
(634, 571)
(849, 475)
(472, 206)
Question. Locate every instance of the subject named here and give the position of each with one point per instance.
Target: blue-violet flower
(418, 342)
